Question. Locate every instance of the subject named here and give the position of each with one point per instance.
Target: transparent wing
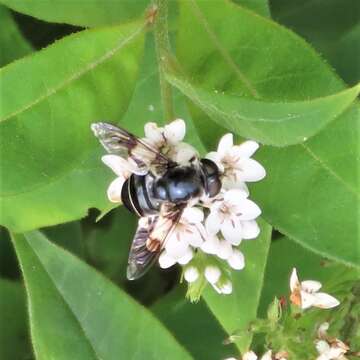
(118, 141)
(150, 238)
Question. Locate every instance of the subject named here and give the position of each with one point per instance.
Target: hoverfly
(158, 192)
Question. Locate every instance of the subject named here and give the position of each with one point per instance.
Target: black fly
(157, 193)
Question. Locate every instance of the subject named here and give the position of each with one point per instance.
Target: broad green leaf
(185, 319)
(312, 189)
(75, 313)
(335, 277)
(12, 43)
(14, 340)
(333, 28)
(259, 6)
(236, 311)
(271, 123)
(49, 155)
(87, 13)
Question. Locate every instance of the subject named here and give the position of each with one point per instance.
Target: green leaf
(12, 43)
(49, 155)
(237, 310)
(271, 123)
(87, 13)
(312, 189)
(75, 313)
(184, 319)
(14, 343)
(259, 6)
(332, 28)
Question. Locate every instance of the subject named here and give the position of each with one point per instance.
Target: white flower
(237, 260)
(250, 355)
(168, 140)
(334, 350)
(123, 169)
(188, 233)
(305, 294)
(191, 274)
(223, 287)
(212, 274)
(227, 215)
(235, 163)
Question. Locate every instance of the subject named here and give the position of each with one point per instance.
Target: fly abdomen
(136, 195)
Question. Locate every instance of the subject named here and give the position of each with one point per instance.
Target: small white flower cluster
(305, 294)
(250, 355)
(215, 226)
(329, 348)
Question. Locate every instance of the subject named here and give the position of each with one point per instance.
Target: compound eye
(212, 177)
(213, 186)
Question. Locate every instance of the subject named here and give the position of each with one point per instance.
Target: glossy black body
(145, 194)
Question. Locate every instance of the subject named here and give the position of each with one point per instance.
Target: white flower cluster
(210, 226)
(329, 348)
(250, 355)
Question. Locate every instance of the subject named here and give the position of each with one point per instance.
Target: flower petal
(250, 170)
(212, 274)
(250, 355)
(193, 215)
(325, 301)
(191, 274)
(165, 260)
(175, 131)
(311, 286)
(226, 288)
(237, 260)
(117, 164)
(235, 196)
(224, 250)
(247, 148)
(186, 257)
(182, 153)
(250, 229)
(307, 300)
(247, 210)
(153, 133)
(228, 182)
(225, 144)
(114, 190)
(322, 330)
(193, 236)
(294, 280)
(211, 245)
(176, 246)
(322, 346)
(213, 223)
(267, 355)
(232, 230)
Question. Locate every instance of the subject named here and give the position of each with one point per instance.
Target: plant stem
(162, 44)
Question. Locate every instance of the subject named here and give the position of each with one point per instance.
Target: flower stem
(162, 44)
